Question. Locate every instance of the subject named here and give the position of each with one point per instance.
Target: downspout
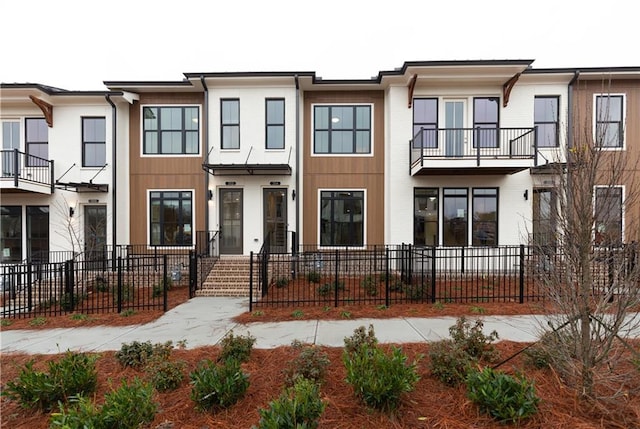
(297, 180)
(570, 122)
(205, 115)
(114, 165)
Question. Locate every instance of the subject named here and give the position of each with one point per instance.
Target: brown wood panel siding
(583, 125)
(344, 172)
(162, 172)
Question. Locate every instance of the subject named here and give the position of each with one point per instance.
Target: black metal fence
(386, 275)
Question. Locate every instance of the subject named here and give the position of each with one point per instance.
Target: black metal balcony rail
(19, 166)
(472, 143)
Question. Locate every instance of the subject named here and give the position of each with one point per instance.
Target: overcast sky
(77, 45)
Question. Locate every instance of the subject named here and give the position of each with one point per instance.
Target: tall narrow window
(171, 218)
(608, 216)
(38, 233)
(342, 218)
(171, 130)
(10, 142)
(425, 217)
(425, 122)
(545, 117)
(609, 121)
(94, 136)
(37, 142)
(455, 217)
(10, 233)
(275, 123)
(230, 124)
(484, 226)
(342, 129)
(485, 122)
(544, 217)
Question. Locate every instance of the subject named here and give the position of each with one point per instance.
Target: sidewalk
(205, 321)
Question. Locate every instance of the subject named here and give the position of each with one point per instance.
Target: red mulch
(431, 405)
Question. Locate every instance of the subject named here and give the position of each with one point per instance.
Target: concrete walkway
(205, 321)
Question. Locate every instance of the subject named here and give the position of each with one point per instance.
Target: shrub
(448, 362)
(237, 347)
(299, 406)
(215, 387)
(164, 374)
(473, 341)
(325, 289)
(127, 294)
(313, 277)
(281, 282)
(380, 379)
(134, 354)
(81, 413)
(360, 339)
(101, 284)
(507, 399)
(74, 374)
(369, 285)
(537, 356)
(37, 321)
(415, 292)
(129, 406)
(310, 363)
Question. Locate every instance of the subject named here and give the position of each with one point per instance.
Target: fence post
(29, 286)
(165, 284)
(119, 293)
(521, 300)
(386, 278)
(251, 281)
(462, 260)
(68, 286)
(433, 274)
(335, 281)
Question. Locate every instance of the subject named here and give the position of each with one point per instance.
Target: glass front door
(95, 235)
(275, 219)
(231, 221)
(454, 124)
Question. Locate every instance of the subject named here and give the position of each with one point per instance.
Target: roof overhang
(248, 169)
(83, 187)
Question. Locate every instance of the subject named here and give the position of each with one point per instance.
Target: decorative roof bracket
(507, 87)
(46, 108)
(411, 87)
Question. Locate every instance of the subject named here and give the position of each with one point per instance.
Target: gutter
(114, 178)
(297, 181)
(205, 116)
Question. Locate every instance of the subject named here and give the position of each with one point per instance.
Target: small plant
(257, 313)
(216, 387)
(438, 306)
(299, 406)
(134, 354)
(129, 406)
(360, 339)
(345, 314)
(81, 412)
(415, 292)
(158, 288)
(396, 285)
(79, 317)
(164, 374)
(297, 314)
(369, 285)
(37, 321)
(507, 399)
(182, 344)
(326, 309)
(473, 341)
(382, 307)
(281, 282)
(126, 294)
(325, 289)
(310, 363)
(101, 284)
(313, 277)
(236, 347)
(448, 362)
(68, 301)
(478, 310)
(5, 322)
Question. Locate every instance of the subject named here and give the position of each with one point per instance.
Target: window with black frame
(484, 226)
(171, 218)
(545, 118)
(342, 129)
(485, 122)
(342, 218)
(171, 130)
(609, 121)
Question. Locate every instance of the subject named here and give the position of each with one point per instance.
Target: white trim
(341, 155)
(193, 218)
(364, 217)
(171, 155)
(623, 119)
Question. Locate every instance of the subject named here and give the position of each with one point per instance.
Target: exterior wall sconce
(526, 195)
(229, 183)
(71, 211)
(210, 195)
(293, 195)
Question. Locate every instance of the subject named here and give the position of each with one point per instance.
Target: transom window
(275, 123)
(545, 117)
(342, 218)
(171, 130)
(230, 124)
(609, 121)
(342, 129)
(485, 117)
(94, 136)
(37, 142)
(425, 122)
(608, 216)
(484, 224)
(171, 218)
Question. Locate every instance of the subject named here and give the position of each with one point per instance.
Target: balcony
(472, 151)
(22, 172)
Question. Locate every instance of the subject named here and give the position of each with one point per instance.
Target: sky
(77, 45)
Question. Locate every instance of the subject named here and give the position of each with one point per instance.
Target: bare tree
(590, 274)
(69, 223)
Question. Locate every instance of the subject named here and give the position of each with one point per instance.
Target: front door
(231, 221)
(95, 235)
(275, 219)
(454, 124)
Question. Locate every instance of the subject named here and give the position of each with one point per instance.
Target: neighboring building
(61, 161)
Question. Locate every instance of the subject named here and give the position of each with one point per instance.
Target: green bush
(281, 282)
(369, 285)
(164, 374)
(134, 354)
(158, 288)
(380, 379)
(325, 289)
(237, 347)
(74, 374)
(129, 406)
(507, 399)
(473, 341)
(361, 338)
(448, 362)
(414, 292)
(81, 413)
(313, 277)
(216, 387)
(310, 363)
(101, 284)
(127, 293)
(298, 407)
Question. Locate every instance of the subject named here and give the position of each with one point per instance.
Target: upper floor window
(425, 122)
(609, 121)
(94, 136)
(545, 117)
(171, 130)
(37, 142)
(485, 117)
(230, 124)
(342, 129)
(171, 218)
(10, 142)
(275, 123)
